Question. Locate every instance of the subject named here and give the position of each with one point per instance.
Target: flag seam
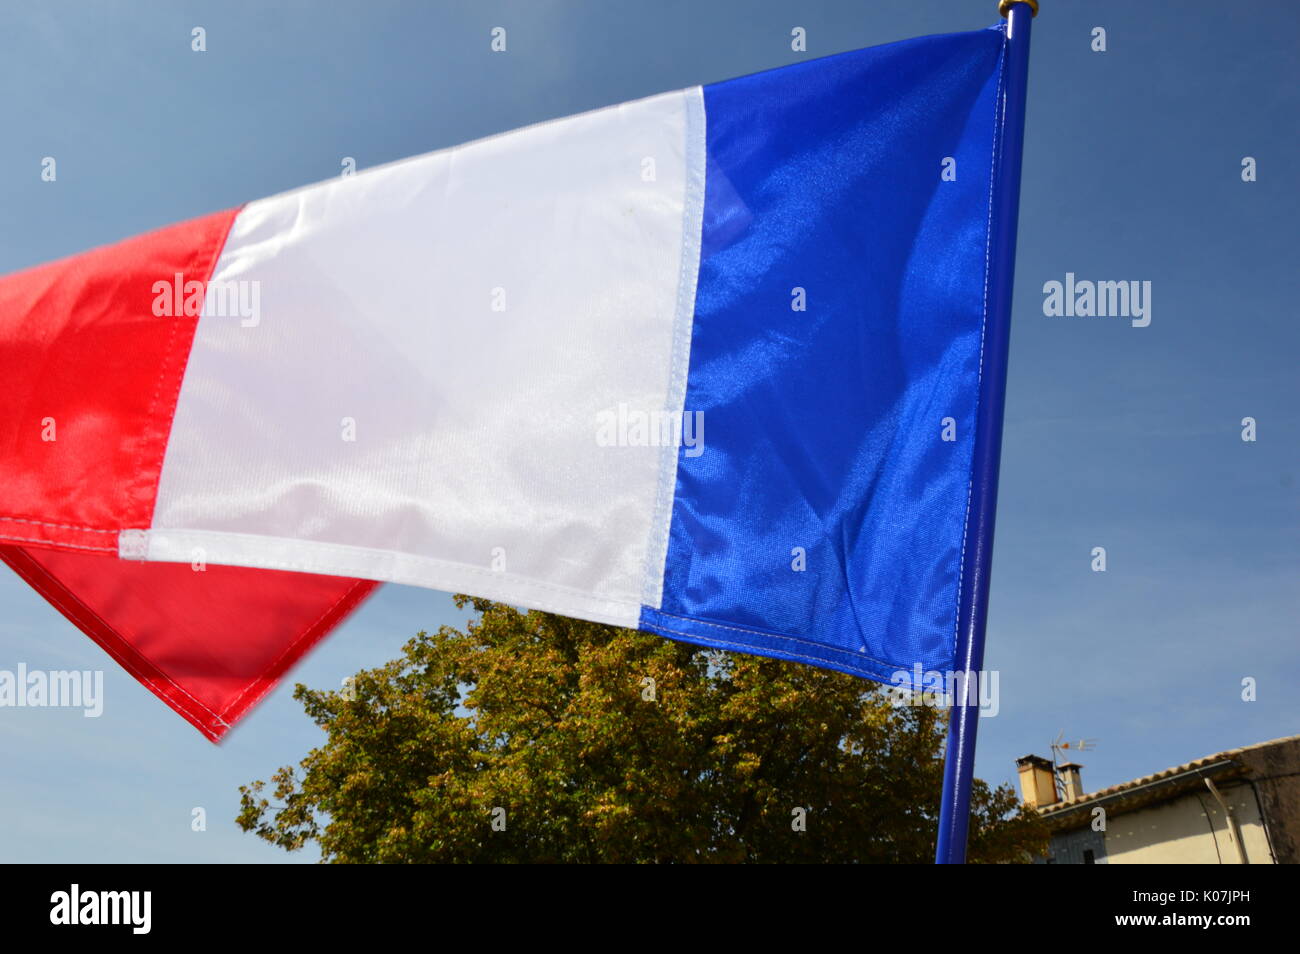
(839, 660)
(58, 526)
(208, 265)
(169, 545)
(785, 636)
(58, 545)
(656, 553)
(108, 639)
(148, 673)
(362, 554)
(979, 378)
(313, 634)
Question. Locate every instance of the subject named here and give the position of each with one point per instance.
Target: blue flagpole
(959, 765)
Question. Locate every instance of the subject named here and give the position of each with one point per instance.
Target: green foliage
(547, 718)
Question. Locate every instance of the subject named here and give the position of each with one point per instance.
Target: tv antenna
(1059, 748)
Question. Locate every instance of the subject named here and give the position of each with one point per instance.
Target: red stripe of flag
(94, 374)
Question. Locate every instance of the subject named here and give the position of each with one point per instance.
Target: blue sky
(1115, 436)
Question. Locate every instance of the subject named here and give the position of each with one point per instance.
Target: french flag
(706, 364)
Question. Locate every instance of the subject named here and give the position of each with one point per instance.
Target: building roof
(1073, 812)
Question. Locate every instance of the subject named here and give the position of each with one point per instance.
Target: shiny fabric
(92, 365)
(90, 376)
(824, 520)
(210, 644)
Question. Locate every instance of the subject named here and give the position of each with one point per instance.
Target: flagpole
(959, 764)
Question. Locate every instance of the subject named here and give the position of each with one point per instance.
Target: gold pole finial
(1004, 7)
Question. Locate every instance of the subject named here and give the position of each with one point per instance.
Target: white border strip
(656, 551)
(332, 559)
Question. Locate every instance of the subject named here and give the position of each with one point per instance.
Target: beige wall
(1186, 830)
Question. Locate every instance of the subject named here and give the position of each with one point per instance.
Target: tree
(529, 737)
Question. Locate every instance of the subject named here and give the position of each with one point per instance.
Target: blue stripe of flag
(823, 428)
